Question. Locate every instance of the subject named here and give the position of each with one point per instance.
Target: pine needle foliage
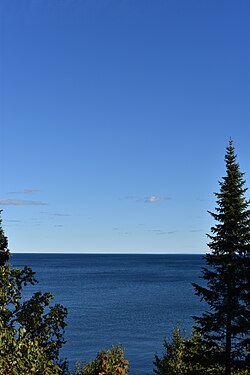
(226, 324)
(4, 251)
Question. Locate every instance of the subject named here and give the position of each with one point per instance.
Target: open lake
(135, 300)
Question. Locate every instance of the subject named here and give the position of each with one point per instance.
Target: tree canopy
(226, 325)
(32, 330)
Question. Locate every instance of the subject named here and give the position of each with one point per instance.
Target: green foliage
(109, 362)
(226, 325)
(40, 321)
(4, 251)
(179, 354)
(220, 342)
(20, 356)
(182, 356)
(31, 331)
(171, 362)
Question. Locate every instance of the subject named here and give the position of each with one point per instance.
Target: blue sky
(115, 116)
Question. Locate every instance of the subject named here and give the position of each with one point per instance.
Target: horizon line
(107, 253)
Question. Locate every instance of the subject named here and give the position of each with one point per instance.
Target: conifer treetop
(4, 251)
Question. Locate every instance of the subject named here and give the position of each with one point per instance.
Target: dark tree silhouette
(4, 251)
(226, 324)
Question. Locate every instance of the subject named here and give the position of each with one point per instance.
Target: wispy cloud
(60, 215)
(54, 214)
(20, 202)
(13, 221)
(125, 233)
(156, 198)
(162, 232)
(132, 198)
(24, 191)
(149, 199)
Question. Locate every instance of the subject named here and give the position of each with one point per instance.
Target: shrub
(109, 362)
(20, 356)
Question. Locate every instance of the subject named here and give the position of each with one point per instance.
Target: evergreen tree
(4, 251)
(226, 324)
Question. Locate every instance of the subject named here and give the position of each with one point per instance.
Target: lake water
(135, 300)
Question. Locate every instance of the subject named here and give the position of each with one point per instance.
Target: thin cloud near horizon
(24, 191)
(162, 232)
(21, 202)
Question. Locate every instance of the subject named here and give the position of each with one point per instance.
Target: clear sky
(115, 116)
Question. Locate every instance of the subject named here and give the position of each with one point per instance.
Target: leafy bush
(31, 331)
(109, 362)
(20, 356)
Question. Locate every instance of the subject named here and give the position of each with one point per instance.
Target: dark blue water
(135, 300)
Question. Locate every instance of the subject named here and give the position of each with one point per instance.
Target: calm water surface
(134, 300)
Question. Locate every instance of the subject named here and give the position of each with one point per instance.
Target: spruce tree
(4, 251)
(226, 288)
